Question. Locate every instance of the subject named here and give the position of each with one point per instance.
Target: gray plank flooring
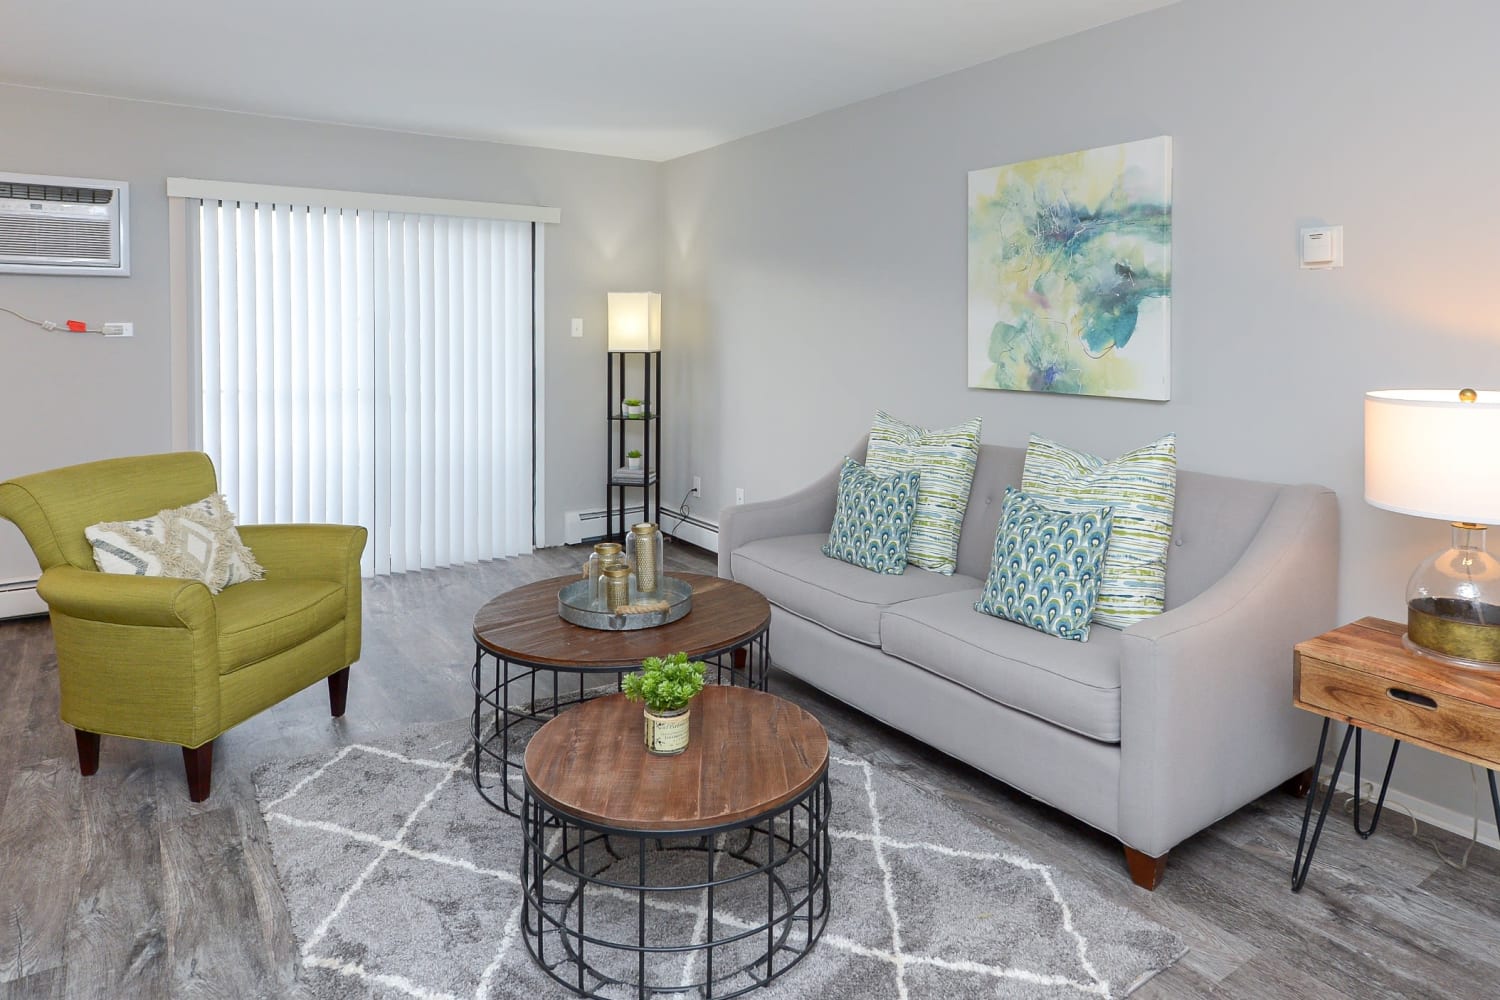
(118, 886)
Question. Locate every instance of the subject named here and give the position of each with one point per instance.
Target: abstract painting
(1070, 273)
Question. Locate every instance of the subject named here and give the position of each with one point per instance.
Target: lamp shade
(1429, 453)
(635, 321)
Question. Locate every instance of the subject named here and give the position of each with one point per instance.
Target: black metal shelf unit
(620, 439)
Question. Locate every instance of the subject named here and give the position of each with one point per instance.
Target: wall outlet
(697, 486)
(119, 329)
(739, 495)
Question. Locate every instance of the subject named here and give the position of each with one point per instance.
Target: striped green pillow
(1141, 487)
(945, 459)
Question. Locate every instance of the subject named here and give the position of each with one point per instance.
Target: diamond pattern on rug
(402, 882)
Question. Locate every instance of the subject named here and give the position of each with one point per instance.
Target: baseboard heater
(18, 599)
(583, 526)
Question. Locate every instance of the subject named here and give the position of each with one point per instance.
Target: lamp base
(1454, 632)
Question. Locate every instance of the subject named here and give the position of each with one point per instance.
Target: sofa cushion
(1075, 685)
(793, 574)
(264, 617)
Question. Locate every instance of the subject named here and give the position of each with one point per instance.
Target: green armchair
(156, 658)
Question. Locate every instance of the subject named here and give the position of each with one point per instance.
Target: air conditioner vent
(64, 225)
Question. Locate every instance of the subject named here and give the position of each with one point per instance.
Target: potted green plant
(633, 458)
(634, 408)
(666, 684)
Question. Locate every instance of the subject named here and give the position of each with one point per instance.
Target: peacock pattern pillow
(1046, 568)
(946, 459)
(872, 519)
(1141, 487)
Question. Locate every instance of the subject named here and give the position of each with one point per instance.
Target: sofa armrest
(137, 656)
(804, 512)
(1206, 717)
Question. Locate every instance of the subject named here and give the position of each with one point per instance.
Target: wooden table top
(523, 626)
(749, 753)
(1374, 646)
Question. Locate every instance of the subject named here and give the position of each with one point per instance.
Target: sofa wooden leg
(740, 658)
(1145, 871)
(1298, 785)
(338, 692)
(88, 751)
(199, 763)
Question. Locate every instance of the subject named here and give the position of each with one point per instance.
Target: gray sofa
(1149, 734)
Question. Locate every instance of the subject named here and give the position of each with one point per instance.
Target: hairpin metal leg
(1384, 785)
(1300, 866)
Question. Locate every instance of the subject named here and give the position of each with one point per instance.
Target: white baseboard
(582, 525)
(18, 599)
(1428, 813)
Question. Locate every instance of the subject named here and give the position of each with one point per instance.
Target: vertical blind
(372, 368)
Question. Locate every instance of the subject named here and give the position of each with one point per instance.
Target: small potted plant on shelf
(634, 408)
(666, 684)
(633, 458)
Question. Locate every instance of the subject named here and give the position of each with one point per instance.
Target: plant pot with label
(667, 684)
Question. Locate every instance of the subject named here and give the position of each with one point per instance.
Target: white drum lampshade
(635, 321)
(1432, 453)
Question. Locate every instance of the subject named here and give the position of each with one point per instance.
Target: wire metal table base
(1303, 863)
(512, 698)
(712, 913)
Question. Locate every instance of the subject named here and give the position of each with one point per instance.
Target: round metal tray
(576, 604)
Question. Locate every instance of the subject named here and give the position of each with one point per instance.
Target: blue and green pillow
(1141, 487)
(1047, 565)
(872, 519)
(946, 459)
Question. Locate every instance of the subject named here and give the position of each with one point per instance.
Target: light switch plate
(577, 327)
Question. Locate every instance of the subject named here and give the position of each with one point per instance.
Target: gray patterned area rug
(402, 882)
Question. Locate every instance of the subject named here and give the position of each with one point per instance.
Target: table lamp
(1433, 453)
(635, 321)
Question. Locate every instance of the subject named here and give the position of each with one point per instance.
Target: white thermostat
(1323, 247)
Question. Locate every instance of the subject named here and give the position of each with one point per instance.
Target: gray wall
(72, 399)
(817, 271)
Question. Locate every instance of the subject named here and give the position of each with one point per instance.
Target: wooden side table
(1361, 674)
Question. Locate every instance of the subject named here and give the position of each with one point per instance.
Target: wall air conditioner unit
(64, 225)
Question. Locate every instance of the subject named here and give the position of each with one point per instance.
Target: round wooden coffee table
(542, 664)
(702, 874)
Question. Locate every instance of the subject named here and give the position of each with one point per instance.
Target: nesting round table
(701, 874)
(530, 664)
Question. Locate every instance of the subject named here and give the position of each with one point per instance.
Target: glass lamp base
(1451, 634)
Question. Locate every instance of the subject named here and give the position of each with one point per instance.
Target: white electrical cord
(45, 324)
(1462, 864)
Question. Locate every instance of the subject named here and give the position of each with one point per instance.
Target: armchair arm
(808, 510)
(136, 656)
(119, 599)
(308, 551)
(1206, 716)
(319, 552)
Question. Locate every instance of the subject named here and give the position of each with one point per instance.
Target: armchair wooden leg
(338, 692)
(1145, 871)
(88, 751)
(199, 763)
(1298, 785)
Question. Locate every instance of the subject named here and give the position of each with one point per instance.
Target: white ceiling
(650, 79)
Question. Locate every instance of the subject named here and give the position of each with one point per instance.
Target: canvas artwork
(1070, 273)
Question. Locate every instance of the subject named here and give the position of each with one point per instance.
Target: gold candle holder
(645, 549)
